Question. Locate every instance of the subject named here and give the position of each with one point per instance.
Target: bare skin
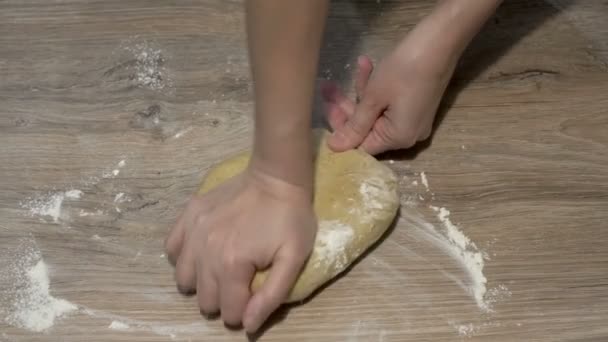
(263, 219)
(398, 101)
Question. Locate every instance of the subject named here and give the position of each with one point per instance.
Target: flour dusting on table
(149, 66)
(424, 180)
(450, 238)
(471, 258)
(118, 325)
(31, 305)
(50, 204)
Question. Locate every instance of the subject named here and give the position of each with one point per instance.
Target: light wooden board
(520, 158)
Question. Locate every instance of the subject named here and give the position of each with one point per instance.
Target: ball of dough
(355, 201)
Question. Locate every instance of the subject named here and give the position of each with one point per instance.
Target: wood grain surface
(519, 157)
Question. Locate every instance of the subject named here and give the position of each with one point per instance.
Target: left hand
(397, 103)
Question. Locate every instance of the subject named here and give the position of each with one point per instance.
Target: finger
(338, 107)
(185, 270)
(175, 240)
(283, 274)
(206, 290)
(234, 290)
(378, 140)
(365, 68)
(385, 137)
(356, 128)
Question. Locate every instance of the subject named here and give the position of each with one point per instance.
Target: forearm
(284, 41)
(452, 25)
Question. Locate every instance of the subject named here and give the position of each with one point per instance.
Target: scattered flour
(333, 237)
(466, 329)
(115, 172)
(182, 132)
(119, 198)
(50, 204)
(452, 240)
(83, 213)
(159, 328)
(424, 180)
(497, 294)
(30, 304)
(371, 190)
(149, 70)
(73, 194)
(117, 325)
(471, 258)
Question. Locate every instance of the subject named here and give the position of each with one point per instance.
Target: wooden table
(520, 158)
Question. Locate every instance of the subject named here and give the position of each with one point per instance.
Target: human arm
(399, 100)
(263, 218)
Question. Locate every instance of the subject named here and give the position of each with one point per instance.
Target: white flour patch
(115, 172)
(158, 328)
(73, 194)
(30, 304)
(424, 180)
(333, 236)
(497, 294)
(149, 66)
(50, 204)
(453, 241)
(466, 329)
(182, 132)
(120, 198)
(84, 213)
(118, 325)
(374, 194)
(472, 259)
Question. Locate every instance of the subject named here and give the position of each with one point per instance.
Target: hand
(252, 222)
(397, 104)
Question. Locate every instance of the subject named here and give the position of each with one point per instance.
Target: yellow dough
(355, 201)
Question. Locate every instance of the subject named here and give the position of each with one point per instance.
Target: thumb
(283, 274)
(357, 127)
(364, 70)
(376, 141)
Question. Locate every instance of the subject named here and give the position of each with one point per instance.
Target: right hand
(250, 223)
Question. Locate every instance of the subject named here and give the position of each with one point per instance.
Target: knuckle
(231, 261)
(407, 140)
(355, 126)
(370, 100)
(385, 134)
(200, 220)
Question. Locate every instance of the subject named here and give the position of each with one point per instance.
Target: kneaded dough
(355, 202)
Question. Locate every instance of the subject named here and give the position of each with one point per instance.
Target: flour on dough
(355, 202)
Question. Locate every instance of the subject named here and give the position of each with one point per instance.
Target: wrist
(283, 189)
(445, 33)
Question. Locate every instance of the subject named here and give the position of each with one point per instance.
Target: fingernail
(186, 291)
